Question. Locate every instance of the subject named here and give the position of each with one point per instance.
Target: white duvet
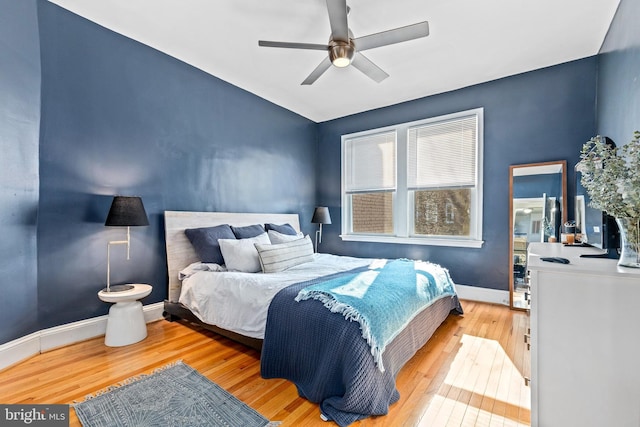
(239, 301)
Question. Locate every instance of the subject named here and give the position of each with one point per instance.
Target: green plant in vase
(611, 176)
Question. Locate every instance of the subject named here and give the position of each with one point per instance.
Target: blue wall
(19, 130)
(619, 76)
(121, 118)
(116, 117)
(539, 116)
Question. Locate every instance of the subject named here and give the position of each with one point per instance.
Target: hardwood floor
(469, 374)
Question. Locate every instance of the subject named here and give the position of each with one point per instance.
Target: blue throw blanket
(330, 363)
(383, 299)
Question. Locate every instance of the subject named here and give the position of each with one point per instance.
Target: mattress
(239, 302)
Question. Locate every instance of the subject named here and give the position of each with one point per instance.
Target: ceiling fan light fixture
(341, 62)
(341, 53)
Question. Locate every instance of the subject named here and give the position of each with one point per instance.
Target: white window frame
(402, 205)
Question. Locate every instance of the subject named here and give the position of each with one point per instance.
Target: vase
(629, 242)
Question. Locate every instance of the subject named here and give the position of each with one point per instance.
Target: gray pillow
(205, 242)
(247, 231)
(282, 229)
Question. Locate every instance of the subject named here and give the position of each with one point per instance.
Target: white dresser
(585, 340)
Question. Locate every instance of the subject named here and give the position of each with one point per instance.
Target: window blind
(442, 154)
(370, 163)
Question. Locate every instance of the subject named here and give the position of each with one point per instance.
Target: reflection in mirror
(538, 207)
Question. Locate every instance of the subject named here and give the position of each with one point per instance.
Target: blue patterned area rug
(175, 395)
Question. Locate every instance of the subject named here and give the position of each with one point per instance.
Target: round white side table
(125, 324)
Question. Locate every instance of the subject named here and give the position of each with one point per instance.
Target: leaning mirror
(538, 208)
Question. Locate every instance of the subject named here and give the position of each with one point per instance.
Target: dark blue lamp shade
(127, 211)
(321, 215)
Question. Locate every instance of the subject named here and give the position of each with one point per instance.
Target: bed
(181, 253)
(345, 360)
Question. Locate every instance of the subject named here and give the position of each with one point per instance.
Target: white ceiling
(470, 42)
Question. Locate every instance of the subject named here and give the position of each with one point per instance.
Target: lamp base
(118, 288)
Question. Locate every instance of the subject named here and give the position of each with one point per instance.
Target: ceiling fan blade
(320, 69)
(397, 35)
(290, 45)
(338, 19)
(365, 65)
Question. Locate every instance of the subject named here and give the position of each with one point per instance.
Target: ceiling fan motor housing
(341, 52)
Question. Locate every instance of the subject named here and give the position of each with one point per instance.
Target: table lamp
(320, 216)
(126, 211)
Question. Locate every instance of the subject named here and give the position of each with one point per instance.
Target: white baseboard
(20, 349)
(58, 336)
(475, 293)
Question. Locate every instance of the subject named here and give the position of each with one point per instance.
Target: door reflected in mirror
(537, 207)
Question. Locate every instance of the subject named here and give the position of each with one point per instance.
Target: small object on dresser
(555, 259)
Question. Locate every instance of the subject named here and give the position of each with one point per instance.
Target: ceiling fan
(345, 50)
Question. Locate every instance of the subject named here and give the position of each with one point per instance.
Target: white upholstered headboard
(180, 253)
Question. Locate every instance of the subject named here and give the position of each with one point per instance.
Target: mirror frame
(563, 219)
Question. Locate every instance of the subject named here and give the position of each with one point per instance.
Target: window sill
(457, 243)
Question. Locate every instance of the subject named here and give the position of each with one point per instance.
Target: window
(418, 182)
(370, 182)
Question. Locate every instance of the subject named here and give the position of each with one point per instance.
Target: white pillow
(279, 257)
(276, 237)
(241, 254)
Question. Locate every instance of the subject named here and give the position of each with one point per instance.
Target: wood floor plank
(470, 373)
(458, 370)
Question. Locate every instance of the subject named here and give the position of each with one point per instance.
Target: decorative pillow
(247, 231)
(241, 254)
(275, 258)
(276, 237)
(205, 242)
(284, 228)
